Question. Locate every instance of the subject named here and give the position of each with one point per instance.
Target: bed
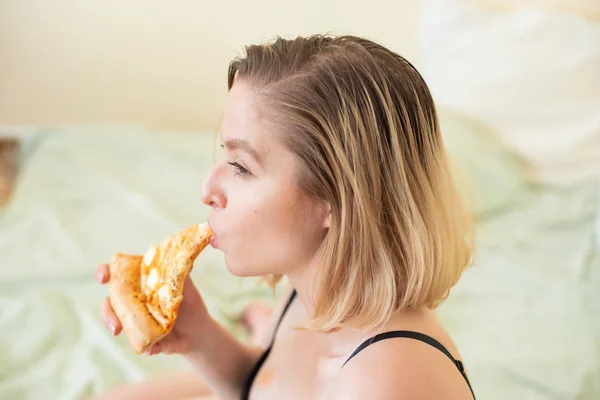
(517, 88)
(84, 193)
(526, 315)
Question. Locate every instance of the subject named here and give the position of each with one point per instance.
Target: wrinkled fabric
(525, 316)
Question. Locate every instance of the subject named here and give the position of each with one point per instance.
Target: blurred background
(108, 117)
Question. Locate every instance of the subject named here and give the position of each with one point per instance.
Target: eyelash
(238, 169)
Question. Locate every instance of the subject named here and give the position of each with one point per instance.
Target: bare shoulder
(402, 369)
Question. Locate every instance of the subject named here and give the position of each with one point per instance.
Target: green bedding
(526, 316)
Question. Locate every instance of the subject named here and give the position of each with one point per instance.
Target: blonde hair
(363, 123)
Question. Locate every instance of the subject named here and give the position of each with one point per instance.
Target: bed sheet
(526, 316)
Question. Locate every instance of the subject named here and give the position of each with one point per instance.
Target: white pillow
(532, 75)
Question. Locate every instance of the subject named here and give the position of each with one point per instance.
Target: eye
(239, 170)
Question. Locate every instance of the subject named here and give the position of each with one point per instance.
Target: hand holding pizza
(152, 298)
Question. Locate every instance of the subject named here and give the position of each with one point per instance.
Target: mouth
(213, 239)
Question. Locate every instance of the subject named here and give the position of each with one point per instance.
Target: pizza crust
(146, 291)
(128, 302)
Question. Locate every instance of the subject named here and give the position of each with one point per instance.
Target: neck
(302, 280)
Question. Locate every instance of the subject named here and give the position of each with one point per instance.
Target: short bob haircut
(363, 124)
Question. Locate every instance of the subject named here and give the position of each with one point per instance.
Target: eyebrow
(241, 144)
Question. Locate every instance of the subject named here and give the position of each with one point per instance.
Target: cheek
(271, 211)
(272, 230)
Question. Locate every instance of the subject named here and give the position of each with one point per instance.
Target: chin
(239, 267)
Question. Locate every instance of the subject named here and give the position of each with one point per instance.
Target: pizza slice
(146, 291)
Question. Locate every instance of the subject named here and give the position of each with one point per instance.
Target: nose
(213, 193)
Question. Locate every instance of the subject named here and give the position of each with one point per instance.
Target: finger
(167, 346)
(109, 318)
(102, 273)
(153, 349)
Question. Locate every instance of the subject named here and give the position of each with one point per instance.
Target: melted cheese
(152, 280)
(150, 254)
(164, 294)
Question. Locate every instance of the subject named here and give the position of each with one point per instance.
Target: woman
(335, 176)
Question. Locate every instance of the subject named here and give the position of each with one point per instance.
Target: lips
(213, 239)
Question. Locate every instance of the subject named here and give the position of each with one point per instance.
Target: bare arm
(176, 386)
(222, 361)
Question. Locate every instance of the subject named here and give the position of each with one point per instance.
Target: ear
(327, 219)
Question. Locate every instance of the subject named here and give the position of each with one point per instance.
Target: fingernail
(112, 328)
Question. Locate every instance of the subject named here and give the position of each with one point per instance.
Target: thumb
(170, 344)
(153, 349)
(166, 345)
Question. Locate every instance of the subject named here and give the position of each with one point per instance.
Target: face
(262, 221)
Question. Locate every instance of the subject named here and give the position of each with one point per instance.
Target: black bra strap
(402, 334)
(288, 304)
(417, 336)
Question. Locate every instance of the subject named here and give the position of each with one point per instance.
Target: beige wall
(156, 62)
(587, 8)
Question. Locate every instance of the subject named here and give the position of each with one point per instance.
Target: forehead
(242, 119)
